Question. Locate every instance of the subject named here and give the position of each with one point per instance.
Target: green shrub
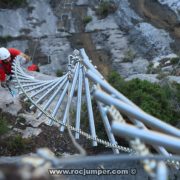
(175, 60)
(59, 73)
(87, 19)
(177, 90)
(158, 101)
(105, 8)
(3, 125)
(150, 68)
(12, 3)
(5, 39)
(16, 143)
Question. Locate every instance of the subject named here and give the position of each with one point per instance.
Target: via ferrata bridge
(79, 85)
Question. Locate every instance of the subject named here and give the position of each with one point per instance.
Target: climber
(7, 57)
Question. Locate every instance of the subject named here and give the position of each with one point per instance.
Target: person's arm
(3, 78)
(28, 58)
(15, 52)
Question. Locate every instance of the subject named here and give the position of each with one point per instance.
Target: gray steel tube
(70, 96)
(88, 64)
(78, 110)
(138, 114)
(59, 102)
(48, 91)
(107, 127)
(52, 97)
(148, 136)
(90, 111)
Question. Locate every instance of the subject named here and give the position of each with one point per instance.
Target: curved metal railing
(54, 98)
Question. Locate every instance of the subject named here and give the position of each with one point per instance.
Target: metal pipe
(52, 97)
(89, 107)
(32, 84)
(105, 85)
(89, 160)
(44, 95)
(31, 78)
(23, 81)
(45, 88)
(70, 96)
(52, 84)
(88, 64)
(24, 78)
(135, 113)
(71, 127)
(162, 171)
(19, 70)
(107, 127)
(59, 103)
(22, 74)
(78, 110)
(148, 136)
(41, 86)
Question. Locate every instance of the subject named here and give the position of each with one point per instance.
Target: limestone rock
(112, 40)
(174, 79)
(165, 57)
(82, 2)
(103, 24)
(39, 21)
(125, 69)
(149, 77)
(29, 132)
(31, 120)
(174, 5)
(150, 41)
(56, 50)
(140, 65)
(8, 103)
(125, 15)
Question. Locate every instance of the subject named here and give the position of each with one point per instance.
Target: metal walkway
(83, 80)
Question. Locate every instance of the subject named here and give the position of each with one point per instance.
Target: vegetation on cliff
(11, 3)
(161, 101)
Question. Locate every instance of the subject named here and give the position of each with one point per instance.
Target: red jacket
(33, 67)
(5, 68)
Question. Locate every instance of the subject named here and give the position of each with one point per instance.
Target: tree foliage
(12, 3)
(105, 8)
(3, 125)
(159, 101)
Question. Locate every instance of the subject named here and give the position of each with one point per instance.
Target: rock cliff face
(174, 5)
(135, 40)
(136, 33)
(126, 40)
(36, 20)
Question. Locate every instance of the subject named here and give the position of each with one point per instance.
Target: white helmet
(4, 53)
